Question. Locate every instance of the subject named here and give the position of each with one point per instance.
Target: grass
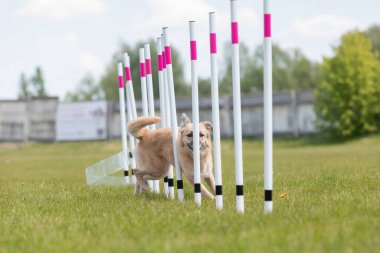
(333, 202)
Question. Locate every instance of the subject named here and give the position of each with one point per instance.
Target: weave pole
(215, 113)
(173, 112)
(268, 128)
(167, 113)
(162, 99)
(151, 112)
(195, 112)
(237, 108)
(131, 110)
(144, 93)
(123, 122)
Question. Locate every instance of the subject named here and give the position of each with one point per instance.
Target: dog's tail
(136, 126)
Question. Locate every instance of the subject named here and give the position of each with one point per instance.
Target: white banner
(82, 121)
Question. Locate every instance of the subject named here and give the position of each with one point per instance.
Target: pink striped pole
(167, 113)
(151, 112)
(173, 112)
(215, 113)
(195, 106)
(144, 93)
(268, 128)
(237, 108)
(162, 98)
(123, 122)
(131, 109)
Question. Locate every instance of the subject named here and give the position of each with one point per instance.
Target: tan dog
(185, 151)
(154, 152)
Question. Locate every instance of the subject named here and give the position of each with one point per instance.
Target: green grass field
(332, 202)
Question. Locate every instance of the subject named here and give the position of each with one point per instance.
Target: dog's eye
(201, 135)
(189, 135)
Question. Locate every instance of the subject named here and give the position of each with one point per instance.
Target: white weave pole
(123, 122)
(173, 112)
(131, 110)
(215, 112)
(237, 108)
(167, 114)
(144, 93)
(195, 106)
(151, 112)
(268, 131)
(162, 98)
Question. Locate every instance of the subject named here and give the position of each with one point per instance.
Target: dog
(154, 152)
(185, 153)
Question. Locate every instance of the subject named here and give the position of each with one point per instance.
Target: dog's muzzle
(201, 146)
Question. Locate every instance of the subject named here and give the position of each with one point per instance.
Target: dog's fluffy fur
(154, 152)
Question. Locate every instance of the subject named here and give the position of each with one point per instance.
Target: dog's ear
(181, 131)
(208, 126)
(184, 120)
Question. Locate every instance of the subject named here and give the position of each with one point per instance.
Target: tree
(291, 70)
(373, 33)
(87, 90)
(204, 87)
(24, 89)
(108, 81)
(225, 85)
(37, 83)
(347, 98)
(35, 87)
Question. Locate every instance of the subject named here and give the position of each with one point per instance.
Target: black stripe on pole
(170, 182)
(179, 184)
(218, 190)
(130, 155)
(197, 188)
(268, 195)
(165, 179)
(133, 171)
(126, 173)
(239, 190)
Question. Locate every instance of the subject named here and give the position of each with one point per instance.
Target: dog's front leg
(137, 188)
(206, 193)
(211, 183)
(204, 190)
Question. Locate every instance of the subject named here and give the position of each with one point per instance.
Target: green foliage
(291, 70)
(333, 204)
(108, 81)
(373, 33)
(38, 84)
(24, 92)
(34, 87)
(204, 87)
(87, 90)
(348, 96)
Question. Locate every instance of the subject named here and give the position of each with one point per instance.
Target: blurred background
(58, 61)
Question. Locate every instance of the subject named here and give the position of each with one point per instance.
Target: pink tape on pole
(128, 74)
(168, 55)
(142, 69)
(159, 62)
(193, 50)
(267, 25)
(234, 33)
(148, 66)
(121, 85)
(213, 43)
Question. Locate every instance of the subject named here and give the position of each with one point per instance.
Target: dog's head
(186, 134)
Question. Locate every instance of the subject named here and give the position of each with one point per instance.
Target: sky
(72, 38)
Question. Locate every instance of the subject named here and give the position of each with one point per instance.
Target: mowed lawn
(332, 202)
